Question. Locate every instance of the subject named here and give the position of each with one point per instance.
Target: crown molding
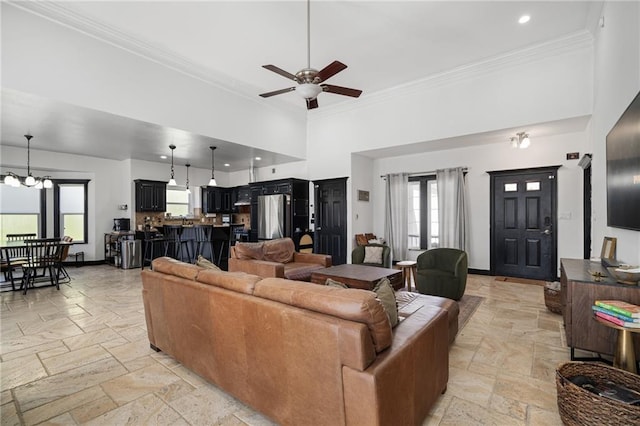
(59, 13)
(578, 41)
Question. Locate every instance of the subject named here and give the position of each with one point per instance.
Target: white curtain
(396, 211)
(452, 209)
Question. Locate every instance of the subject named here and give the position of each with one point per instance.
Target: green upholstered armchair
(358, 255)
(442, 272)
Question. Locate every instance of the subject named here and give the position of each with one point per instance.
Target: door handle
(546, 232)
(319, 228)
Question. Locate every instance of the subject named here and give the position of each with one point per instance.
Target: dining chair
(64, 253)
(20, 237)
(14, 257)
(42, 253)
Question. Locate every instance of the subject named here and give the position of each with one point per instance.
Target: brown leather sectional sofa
(300, 353)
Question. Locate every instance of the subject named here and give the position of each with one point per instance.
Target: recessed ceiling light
(524, 19)
(227, 164)
(164, 157)
(258, 158)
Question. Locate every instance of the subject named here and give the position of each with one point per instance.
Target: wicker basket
(578, 406)
(552, 297)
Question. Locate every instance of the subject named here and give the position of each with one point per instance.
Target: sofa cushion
(170, 266)
(373, 254)
(387, 297)
(279, 250)
(300, 271)
(205, 263)
(349, 304)
(236, 281)
(249, 251)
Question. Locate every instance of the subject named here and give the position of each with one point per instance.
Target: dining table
(17, 251)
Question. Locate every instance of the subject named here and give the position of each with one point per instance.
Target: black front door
(523, 223)
(330, 234)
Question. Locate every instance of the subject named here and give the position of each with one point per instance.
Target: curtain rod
(431, 172)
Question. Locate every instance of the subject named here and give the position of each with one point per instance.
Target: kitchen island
(221, 237)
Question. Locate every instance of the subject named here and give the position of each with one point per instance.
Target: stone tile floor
(81, 356)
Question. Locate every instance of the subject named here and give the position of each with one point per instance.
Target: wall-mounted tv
(623, 170)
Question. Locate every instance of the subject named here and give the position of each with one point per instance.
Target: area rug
(468, 305)
(520, 280)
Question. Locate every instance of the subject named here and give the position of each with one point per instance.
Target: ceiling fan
(311, 81)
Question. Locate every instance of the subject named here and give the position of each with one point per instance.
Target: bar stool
(409, 268)
(203, 239)
(174, 235)
(151, 241)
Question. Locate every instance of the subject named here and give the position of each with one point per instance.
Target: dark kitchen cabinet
(151, 196)
(297, 205)
(216, 199)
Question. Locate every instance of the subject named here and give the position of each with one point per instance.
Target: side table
(624, 356)
(408, 268)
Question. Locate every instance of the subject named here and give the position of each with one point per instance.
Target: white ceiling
(384, 43)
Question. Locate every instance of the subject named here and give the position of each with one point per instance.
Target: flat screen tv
(623, 170)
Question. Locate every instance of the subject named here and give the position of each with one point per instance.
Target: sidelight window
(70, 201)
(423, 213)
(20, 210)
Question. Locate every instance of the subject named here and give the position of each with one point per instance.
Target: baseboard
(479, 271)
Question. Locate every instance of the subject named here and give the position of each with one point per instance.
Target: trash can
(131, 254)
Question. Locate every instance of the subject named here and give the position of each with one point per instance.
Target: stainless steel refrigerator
(273, 216)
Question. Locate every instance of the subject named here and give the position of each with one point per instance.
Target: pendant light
(172, 181)
(212, 182)
(12, 179)
(188, 190)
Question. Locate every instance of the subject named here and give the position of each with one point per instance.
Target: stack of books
(618, 312)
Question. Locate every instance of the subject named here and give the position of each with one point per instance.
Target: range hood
(242, 203)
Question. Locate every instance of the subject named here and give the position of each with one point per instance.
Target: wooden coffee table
(358, 276)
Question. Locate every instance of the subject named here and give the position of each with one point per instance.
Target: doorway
(331, 219)
(523, 223)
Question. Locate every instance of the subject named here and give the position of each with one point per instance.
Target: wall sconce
(521, 140)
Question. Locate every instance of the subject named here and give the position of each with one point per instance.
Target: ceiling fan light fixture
(308, 90)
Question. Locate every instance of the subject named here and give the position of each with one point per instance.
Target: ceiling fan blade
(278, 92)
(330, 70)
(339, 90)
(312, 103)
(280, 71)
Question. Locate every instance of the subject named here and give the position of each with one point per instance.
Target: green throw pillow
(205, 263)
(334, 283)
(387, 297)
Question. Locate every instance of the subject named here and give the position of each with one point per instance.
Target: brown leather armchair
(276, 258)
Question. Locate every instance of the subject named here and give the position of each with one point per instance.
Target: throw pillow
(249, 251)
(387, 297)
(334, 283)
(206, 263)
(373, 254)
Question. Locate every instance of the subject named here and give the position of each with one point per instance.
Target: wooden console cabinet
(579, 291)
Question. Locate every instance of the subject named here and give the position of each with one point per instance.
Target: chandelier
(13, 179)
